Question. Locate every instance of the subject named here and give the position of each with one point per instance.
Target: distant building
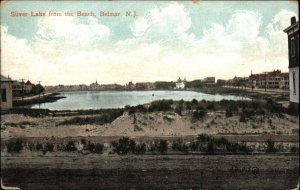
(274, 79)
(28, 87)
(95, 86)
(140, 86)
(17, 88)
(6, 93)
(180, 84)
(130, 86)
(209, 81)
(293, 46)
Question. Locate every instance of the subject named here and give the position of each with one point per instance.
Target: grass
(137, 128)
(22, 124)
(168, 119)
(106, 117)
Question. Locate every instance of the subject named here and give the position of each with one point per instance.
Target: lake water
(119, 99)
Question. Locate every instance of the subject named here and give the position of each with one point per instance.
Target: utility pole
(39, 94)
(265, 81)
(22, 88)
(252, 86)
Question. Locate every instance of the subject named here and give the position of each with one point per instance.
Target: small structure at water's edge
(6, 93)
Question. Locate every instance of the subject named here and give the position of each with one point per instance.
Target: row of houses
(14, 88)
(273, 80)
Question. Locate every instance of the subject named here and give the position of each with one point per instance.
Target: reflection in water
(118, 99)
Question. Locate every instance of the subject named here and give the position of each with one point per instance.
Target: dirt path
(151, 172)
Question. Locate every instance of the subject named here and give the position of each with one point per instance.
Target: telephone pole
(22, 88)
(39, 94)
(265, 81)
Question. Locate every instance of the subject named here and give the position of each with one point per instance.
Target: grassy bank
(203, 144)
(37, 100)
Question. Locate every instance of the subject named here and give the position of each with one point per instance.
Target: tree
(37, 89)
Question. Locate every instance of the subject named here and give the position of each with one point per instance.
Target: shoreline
(28, 101)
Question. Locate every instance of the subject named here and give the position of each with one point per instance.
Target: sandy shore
(157, 124)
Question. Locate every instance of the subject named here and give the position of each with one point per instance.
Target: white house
(6, 93)
(180, 84)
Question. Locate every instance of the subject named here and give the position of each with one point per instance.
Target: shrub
(49, 147)
(179, 109)
(293, 109)
(210, 147)
(270, 147)
(180, 146)
(203, 138)
(199, 114)
(126, 145)
(122, 146)
(90, 147)
(99, 148)
(161, 105)
(159, 146)
(228, 113)
(71, 146)
(39, 147)
(243, 119)
(15, 146)
(83, 141)
(195, 102)
(61, 147)
(140, 148)
(163, 146)
(294, 149)
(135, 109)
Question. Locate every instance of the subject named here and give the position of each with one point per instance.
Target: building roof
(28, 83)
(296, 24)
(5, 79)
(262, 76)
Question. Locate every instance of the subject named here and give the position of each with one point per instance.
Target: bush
(270, 147)
(134, 109)
(228, 113)
(71, 146)
(199, 114)
(83, 141)
(90, 147)
(179, 109)
(294, 149)
(210, 147)
(243, 119)
(126, 145)
(293, 109)
(195, 102)
(140, 148)
(203, 138)
(15, 146)
(163, 146)
(99, 148)
(49, 147)
(180, 146)
(159, 146)
(161, 105)
(122, 146)
(39, 147)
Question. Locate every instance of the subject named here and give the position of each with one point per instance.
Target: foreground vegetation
(203, 144)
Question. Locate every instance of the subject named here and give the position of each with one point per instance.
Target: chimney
(293, 20)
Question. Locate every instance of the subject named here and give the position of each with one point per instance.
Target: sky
(166, 40)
